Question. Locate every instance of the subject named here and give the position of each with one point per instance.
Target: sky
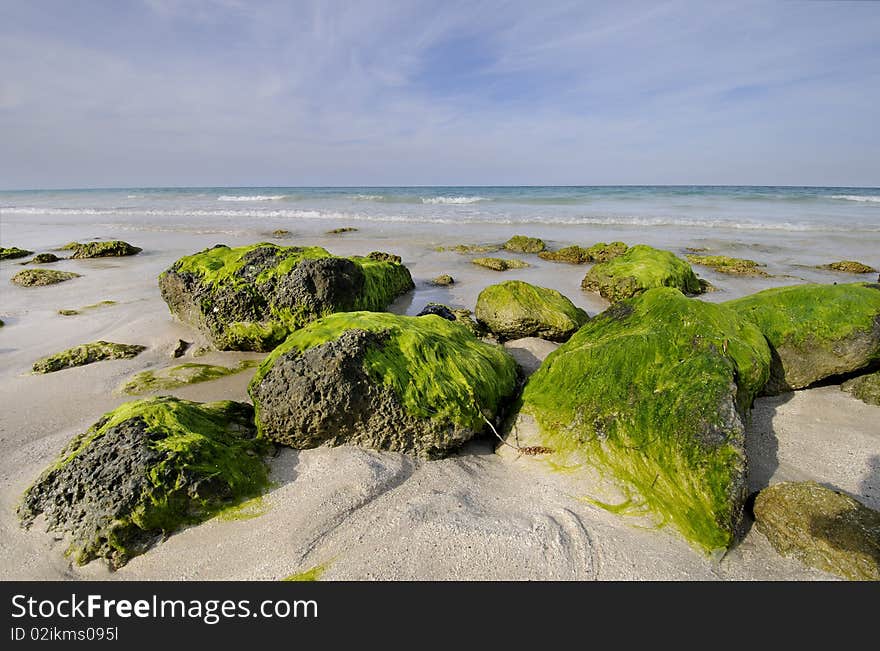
(137, 93)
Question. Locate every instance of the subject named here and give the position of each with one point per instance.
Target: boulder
(727, 265)
(87, 354)
(252, 297)
(815, 331)
(422, 385)
(599, 252)
(500, 264)
(44, 258)
(823, 528)
(655, 393)
(41, 277)
(865, 387)
(848, 266)
(443, 280)
(641, 267)
(107, 249)
(515, 309)
(144, 470)
(523, 244)
(13, 252)
(439, 310)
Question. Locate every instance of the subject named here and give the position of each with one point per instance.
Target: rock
(281, 232)
(466, 319)
(530, 352)
(111, 248)
(87, 354)
(443, 280)
(848, 266)
(466, 249)
(41, 277)
(13, 252)
(515, 309)
(602, 252)
(93, 306)
(641, 267)
(654, 393)
(420, 385)
(815, 331)
(823, 528)
(1, 323)
(439, 310)
(68, 312)
(44, 258)
(180, 348)
(144, 470)
(177, 376)
(599, 252)
(523, 244)
(252, 297)
(728, 265)
(500, 264)
(344, 229)
(865, 387)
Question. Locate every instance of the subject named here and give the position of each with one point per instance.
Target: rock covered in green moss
(43, 258)
(849, 266)
(13, 252)
(252, 297)
(641, 267)
(516, 309)
(106, 249)
(500, 264)
(443, 280)
(174, 377)
(340, 231)
(727, 265)
(523, 244)
(654, 393)
(144, 470)
(466, 249)
(437, 309)
(93, 306)
(865, 387)
(815, 331)
(280, 232)
(421, 385)
(823, 528)
(41, 277)
(602, 252)
(599, 252)
(87, 354)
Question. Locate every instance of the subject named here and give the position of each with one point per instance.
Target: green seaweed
(313, 574)
(727, 265)
(513, 307)
(178, 376)
(246, 510)
(500, 264)
(641, 267)
(110, 248)
(13, 252)
(467, 249)
(848, 266)
(83, 354)
(523, 244)
(638, 393)
(41, 277)
(93, 306)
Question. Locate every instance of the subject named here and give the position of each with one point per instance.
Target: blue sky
(228, 92)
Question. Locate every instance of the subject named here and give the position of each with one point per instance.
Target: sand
(363, 514)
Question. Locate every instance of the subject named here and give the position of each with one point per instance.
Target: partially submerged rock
(443, 280)
(602, 252)
(93, 306)
(174, 377)
(727, 265)
(144, 470)
(344, 229)
(849, 266)
(642, 267)
(500, 264)
(823, 528)
(523, 244)
(654, 393)
(252, 297)
(43, 258)
(466, 249)
(599, 252)
(280, 232)
(13, 252)
(865, 387)
(516, 309)
(815, 331)
(105, 249)
(41, 277)
(422, 385)
(437, 309)
(87, 354)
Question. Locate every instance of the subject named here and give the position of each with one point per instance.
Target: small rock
(41, 277)
(439, 310)
(86, 354)
(180, 348)
(865, 387)
(523, 244)
(443, 280)
(500, 264)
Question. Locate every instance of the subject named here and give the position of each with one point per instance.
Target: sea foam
(857, 197)
(251, 197)
(454, 200)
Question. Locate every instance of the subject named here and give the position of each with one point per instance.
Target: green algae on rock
(280, 232)
(654, 393)
(144, 470)
(93, 306)
(86, 354)
(815, 331)
(727, 265)
(641, 267)
(252, 297)
(466, 249)
(500, 264)
(443, 280)
(849, 266)
(516, 309)
(13, 252)
(41, 277)
(821, 527)
(43, 258)
(177, 376)
(421, 385)
(340, 231)
(865, 387)
(599, 252)
(523, 244)
(106, 249)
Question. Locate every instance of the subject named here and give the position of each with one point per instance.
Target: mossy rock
(108, 249)
(642, 267)
(654, 393)
(252, 297)
(500, 264)
(865, 387)
(602, 252)
(174, 377)
(280, 232)
(13, 252)
(823, 528)
(41, 277)
(143, 471)
(443, 280)
(467, 249)
(340, 231)
(421, 385)
(515, 309)
(727, 265)
(43, 258)
(523, 244)
(849, 266)
(87, 354)
(815, 331)
(599, 252)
